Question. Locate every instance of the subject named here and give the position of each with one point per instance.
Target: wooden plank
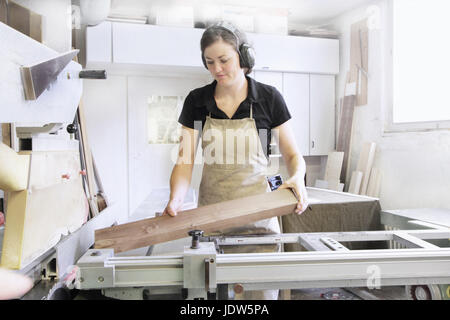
(373, 189)
(102, 200)
(6, 134)
(24, 20)
(88, 162)
(334, 166)
(219, 216)
(359, 59)
(3, 11)
(14, 169)
(345, 133)
(365, 162)
(355, 182)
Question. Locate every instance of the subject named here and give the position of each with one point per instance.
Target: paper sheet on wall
(163, 112)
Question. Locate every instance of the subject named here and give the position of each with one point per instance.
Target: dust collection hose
(13, 169)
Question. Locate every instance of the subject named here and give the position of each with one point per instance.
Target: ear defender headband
(245, 50)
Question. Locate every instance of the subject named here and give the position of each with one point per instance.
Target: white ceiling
(300, 12)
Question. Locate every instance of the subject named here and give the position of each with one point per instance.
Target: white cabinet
(154, 45)
(310, 100)
(295, 54)
(144, 44)
(98, 43)
(296, 95)
(274, 79)
(322, 114)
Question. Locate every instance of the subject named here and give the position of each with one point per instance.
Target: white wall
(415, 165)
(116, 116)
(105, 108)
(150, 165)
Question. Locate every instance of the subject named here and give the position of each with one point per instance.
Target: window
(419, 54)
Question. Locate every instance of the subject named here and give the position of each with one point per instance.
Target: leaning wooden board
(219, 216)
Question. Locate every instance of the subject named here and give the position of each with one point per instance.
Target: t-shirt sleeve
(279, 109)
(187, 116)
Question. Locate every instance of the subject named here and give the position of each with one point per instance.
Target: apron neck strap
(251, 111)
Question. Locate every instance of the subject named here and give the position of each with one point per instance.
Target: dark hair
(213, 34)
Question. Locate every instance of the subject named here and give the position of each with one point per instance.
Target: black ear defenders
(245, 50)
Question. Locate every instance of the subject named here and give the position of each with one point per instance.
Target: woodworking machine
(40, 91)
(202, 272)
(38, 85)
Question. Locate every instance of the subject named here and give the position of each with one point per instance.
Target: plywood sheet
(334, 166)
(24, 20)
(219, 216)
(3, 11)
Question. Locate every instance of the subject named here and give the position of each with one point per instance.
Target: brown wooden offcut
(24, 20)
(219, 216)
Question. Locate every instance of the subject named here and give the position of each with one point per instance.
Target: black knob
(72, 128)
(195, 234)
(92, 74)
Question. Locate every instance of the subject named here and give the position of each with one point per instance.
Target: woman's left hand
(297, 184)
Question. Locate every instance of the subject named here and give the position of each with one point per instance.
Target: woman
(231, 108)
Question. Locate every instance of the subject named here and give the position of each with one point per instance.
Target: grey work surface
(331, 211)
(439, 217)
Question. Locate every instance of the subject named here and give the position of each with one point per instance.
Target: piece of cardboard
(51, 206)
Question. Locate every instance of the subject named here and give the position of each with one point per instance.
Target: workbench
(331, 211)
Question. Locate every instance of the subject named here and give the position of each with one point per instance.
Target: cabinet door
(322, 114)
(295, 54)
(296, 95)
(156, 45)
(98, 43)
(274, 79)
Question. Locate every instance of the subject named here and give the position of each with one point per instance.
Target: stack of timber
(366, 180)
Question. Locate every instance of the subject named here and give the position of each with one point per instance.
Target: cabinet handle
(312, 144)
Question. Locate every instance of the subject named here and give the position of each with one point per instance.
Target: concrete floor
(385, 293)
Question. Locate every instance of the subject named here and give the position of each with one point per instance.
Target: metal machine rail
(202, 270)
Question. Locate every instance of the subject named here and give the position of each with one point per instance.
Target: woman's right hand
(173, 207)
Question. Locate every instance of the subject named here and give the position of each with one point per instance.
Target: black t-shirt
(269, 108)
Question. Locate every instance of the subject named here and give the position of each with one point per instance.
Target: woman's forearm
(296, 166)
(180, 181)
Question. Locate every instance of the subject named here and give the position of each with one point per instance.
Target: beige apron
(235, 167)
